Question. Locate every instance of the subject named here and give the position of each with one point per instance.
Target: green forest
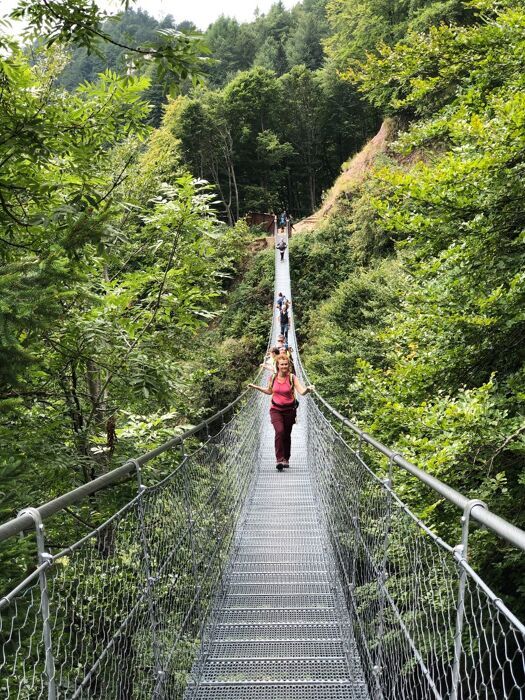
(135, 298)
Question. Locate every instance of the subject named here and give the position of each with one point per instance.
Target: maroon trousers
(282, 421)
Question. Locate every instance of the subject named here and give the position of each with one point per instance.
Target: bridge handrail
(25, 521)
(478, 510)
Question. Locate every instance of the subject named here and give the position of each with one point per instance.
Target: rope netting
(427, 626)
(120, 613)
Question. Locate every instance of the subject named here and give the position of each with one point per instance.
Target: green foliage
(350, 326)
(240, 136)
(176, 55)
(242, 139)
(277, 41)
(250, 307)
(133, 28)
(362, 28)
(113, 262)
(320, 263)
(304, 45)
(425, 349)
(233, 48)
(58, 201)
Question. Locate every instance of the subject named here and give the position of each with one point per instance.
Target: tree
(177, 55)
(362, 27)
(206, 142)
(272, 31)
(304, 43)
(272, 55)
(303, 92)
(232, 47)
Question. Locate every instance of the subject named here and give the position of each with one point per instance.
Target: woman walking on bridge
(284, 319)
(282, 388)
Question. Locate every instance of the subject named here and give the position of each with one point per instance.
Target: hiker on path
(284, 319)
(281, 342)
(282, 388)
(281, 247)
(281, 299)
(283, 216)
(270, 359)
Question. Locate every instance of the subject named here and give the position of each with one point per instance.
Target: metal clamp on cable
(462, 549)
(138, 473)
(34, 513)
(389, 481)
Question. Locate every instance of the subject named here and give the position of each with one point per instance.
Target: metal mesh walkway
(281, 628)
(229, 580)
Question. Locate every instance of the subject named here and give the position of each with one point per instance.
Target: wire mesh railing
(119, 613)
(426, 624)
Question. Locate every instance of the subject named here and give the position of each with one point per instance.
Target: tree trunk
(97, 396)
(215, 175)
(312, 188)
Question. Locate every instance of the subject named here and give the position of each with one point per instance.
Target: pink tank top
(282, 395)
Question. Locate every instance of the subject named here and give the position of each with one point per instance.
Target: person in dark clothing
(282, 220)
(284, 320)
(281, 247)
(281, 299)
(282, 388)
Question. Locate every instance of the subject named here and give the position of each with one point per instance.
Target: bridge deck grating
(288, 691)
(264, 670)
(280, 629)
(276, 648)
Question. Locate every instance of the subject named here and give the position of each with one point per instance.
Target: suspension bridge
(230, 580)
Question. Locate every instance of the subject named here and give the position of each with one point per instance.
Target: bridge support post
(461, 551)
(382, 579)
(150, 581)
(359, 446)
(44, 559)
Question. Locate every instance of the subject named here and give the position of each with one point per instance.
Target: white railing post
(462, 551)
(43, 561)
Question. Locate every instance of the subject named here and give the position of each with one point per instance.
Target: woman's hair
(280, 359)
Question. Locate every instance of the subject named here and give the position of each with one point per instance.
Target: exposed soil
(353, 174)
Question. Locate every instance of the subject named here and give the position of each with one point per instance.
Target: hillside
(353, 174)
(409, 289)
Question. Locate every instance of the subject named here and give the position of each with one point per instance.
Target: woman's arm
(300, 388)
(262, 389)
